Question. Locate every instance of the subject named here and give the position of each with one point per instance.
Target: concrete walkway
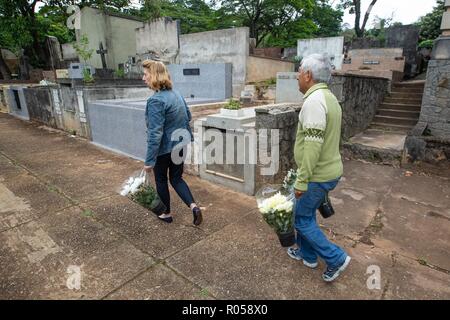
(60, 211)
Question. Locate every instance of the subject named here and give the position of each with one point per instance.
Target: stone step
(404, 101)
(407, 90)
(399, 113)
(396, 94)
(372, 154)
(390, 127)
(411, 84)
(400, 106)
(395, 120)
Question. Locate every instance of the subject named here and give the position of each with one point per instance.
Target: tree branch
(246, 10)
(366, 17)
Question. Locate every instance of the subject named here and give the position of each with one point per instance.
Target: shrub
(427, 44)
(232, 105)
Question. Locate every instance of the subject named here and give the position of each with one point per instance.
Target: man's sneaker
(331, 274)
(294, 253)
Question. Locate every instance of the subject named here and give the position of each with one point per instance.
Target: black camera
(326, 209)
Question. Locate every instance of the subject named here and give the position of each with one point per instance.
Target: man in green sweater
(319, 165)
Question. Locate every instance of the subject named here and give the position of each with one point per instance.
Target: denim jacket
(165, 113)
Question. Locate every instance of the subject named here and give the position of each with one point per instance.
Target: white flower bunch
(277, 212)
(132, 185)
(278, 202)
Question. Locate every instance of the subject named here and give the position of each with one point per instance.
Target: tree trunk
(358, 31)
(6, 74)
(366, 17)
(38, 49)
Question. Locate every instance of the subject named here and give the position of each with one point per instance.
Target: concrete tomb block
(76, 70)
(119, 125)
(17, 103)
(211, 81)
(287, 88)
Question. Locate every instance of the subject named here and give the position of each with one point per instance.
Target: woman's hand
(148, 169)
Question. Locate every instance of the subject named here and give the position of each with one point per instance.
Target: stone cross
(102, 52)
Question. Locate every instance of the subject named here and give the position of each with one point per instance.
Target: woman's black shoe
(168, 219)
(198, 218)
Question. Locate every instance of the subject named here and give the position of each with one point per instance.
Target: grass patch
(422, 262)
(52, 189)
(88, 213)
(204, 292)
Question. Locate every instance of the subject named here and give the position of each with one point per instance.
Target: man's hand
(298, 194)
(148, 169)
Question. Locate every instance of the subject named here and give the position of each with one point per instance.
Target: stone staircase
(400, 110)
(384, 140)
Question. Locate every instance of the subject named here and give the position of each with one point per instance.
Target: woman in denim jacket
(167, 117)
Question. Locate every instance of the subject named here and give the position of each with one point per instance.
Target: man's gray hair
(319, 65)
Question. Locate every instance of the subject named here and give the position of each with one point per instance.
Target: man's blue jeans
(310, 239)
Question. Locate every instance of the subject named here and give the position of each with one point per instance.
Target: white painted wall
(116, 33)
(68, 51)
(228, 45)
(333, 46)
(161, 36)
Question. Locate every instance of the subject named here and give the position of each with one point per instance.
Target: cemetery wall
(263, 68)
(68, 52)
(435, 111)
(406, 37)
(160, 36)
(16, 102)
(284, 118)
(333, 46)
(40, 106)
(3, 99)
(65, 108)
(394, 76)
(117, 34)
(360, 97)
(376, 59)
(228, 45)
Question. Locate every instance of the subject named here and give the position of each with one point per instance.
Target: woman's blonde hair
(159, 76)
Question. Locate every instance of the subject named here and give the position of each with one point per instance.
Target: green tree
(327, 19)
(430, 24)
(379, 26)
(22, 27)
(354, 7)
(270, 18)
(194, 15)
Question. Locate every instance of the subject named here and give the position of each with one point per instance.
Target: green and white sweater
(316, 149)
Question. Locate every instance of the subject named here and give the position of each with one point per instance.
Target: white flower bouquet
(132, 184)
(276, 206)
(140, 191)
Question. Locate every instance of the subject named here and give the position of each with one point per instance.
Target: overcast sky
(404, 11)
